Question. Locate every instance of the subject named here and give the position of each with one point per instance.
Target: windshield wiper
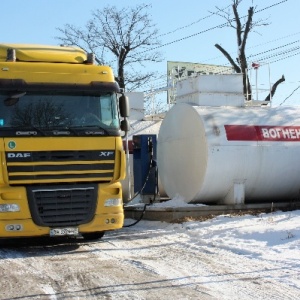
(13, 99)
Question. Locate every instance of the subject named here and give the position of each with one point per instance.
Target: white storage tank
(230, 154)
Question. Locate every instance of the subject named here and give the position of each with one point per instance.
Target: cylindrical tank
(203, 151)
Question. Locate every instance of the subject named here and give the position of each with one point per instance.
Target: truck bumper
(26, 228)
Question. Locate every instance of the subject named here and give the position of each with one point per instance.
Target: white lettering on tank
(286, 133)
(273, 133)
(292, 133)
(265, 133)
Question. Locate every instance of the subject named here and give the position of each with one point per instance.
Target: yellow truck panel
(44, 53)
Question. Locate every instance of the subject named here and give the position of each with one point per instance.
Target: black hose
(140, 218)
(140, 191)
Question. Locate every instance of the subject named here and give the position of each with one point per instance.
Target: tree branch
(227, 55)
(274, 87)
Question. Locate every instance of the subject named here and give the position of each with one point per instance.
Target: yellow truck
(62, 118)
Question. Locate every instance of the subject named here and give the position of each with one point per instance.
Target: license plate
(64, 231)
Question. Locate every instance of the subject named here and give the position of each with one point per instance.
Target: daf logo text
(18, 155)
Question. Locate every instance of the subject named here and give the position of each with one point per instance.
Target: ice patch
(49, 291)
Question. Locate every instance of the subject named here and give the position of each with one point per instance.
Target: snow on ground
(263, 247)
(226, 257)
(270, 237)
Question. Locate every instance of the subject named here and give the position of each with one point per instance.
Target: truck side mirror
(125, 126)
(124, 106)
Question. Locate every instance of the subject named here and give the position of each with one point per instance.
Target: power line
(290, 95)
(185, 38)
(162, 83)
(261, 44)
(278, 39)
(270, 6)
(280, 53)
(223, 25)
(284, 57)
(191, 24)
(162, 76)
(273, 49)
(209, 29)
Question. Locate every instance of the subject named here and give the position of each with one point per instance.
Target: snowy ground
(228, 257)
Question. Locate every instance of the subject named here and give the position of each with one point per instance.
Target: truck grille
(60, 166)
(62, 205)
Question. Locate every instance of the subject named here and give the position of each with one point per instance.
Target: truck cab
(61, 123)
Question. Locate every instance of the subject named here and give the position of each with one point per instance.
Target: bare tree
(119, 37)
(240, 65)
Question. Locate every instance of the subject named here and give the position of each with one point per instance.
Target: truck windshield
(50, 111)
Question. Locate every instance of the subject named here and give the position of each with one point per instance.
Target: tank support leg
(236, 194)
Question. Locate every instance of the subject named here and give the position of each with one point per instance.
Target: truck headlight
(9, 207)
(113, 202)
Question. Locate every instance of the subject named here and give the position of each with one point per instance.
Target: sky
(187, 32)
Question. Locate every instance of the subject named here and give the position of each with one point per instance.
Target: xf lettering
(105, 153)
